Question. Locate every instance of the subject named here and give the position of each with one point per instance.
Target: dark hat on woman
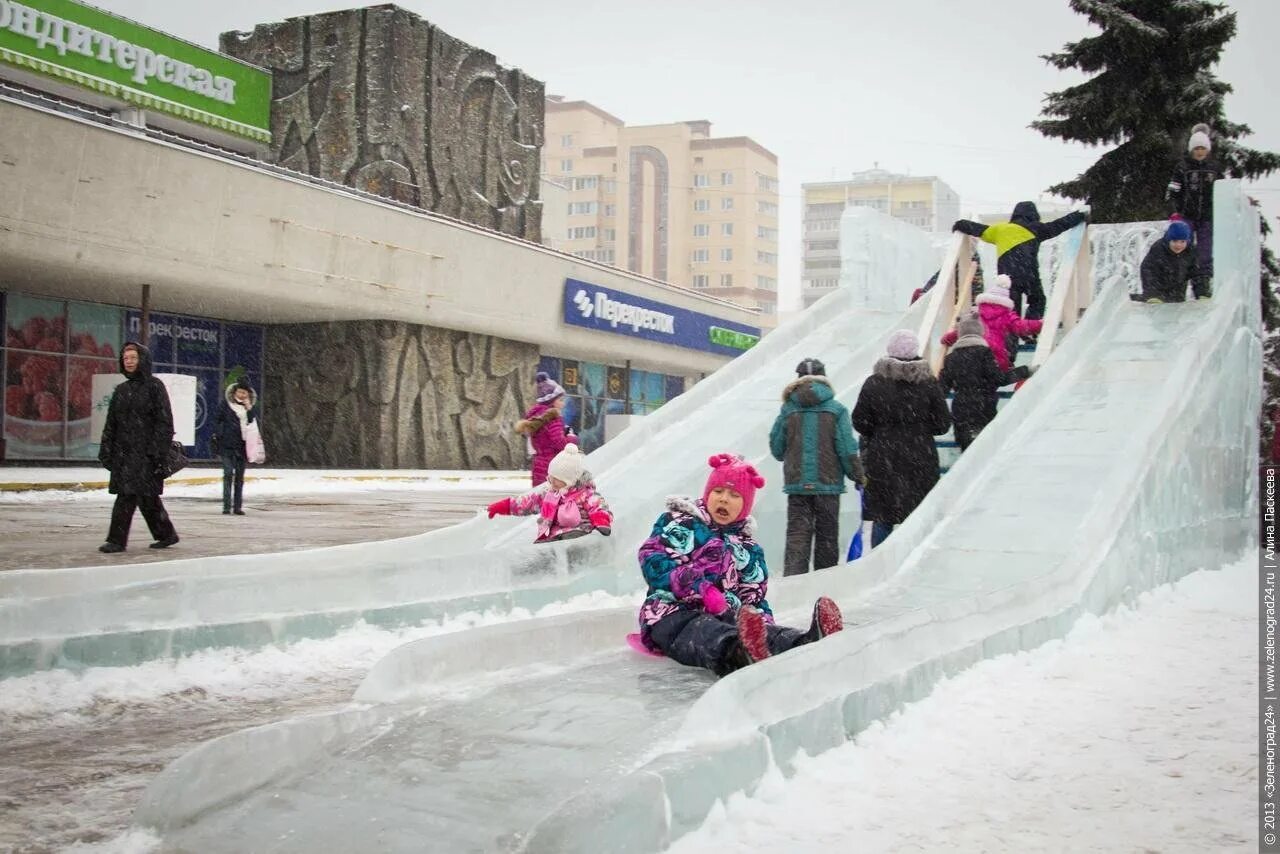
(811, 368)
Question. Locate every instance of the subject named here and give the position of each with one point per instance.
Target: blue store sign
(606, 310)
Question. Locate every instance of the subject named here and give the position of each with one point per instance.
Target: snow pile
(1135, 732)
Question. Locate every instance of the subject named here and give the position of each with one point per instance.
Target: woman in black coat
(238, 408)
(900, 409)
(135, 442)
(970, 368)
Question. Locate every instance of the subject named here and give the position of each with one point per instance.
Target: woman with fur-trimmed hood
(899, 410)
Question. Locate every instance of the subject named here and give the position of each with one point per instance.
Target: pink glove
(602, 521)
(713, 601)
(500, 508)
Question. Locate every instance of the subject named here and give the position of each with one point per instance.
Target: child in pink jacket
(1004, 326)
(567, 505)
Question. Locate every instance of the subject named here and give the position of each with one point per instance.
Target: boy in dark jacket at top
(971, 371)
(1168, 267)
(1190, 193)
(1017, 245)
(813, 437)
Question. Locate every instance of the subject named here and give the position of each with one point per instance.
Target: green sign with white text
(115, 57)
(732, 338)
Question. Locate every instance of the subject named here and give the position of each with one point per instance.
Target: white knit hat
(1199, 138)
(904, 345)
(997, 292)
(567, 465)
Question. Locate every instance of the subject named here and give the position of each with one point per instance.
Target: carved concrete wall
(381, 100)
(384, 394)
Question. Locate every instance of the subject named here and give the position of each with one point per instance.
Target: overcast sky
(927, 87)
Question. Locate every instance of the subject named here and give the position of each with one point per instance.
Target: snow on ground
(255, 674)
(1134, 733)
(204, 483)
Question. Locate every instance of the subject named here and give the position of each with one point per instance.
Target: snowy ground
(1135, 733)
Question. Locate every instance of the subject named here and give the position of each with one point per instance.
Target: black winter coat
(1165, 274)
(138, 432)
(1018, 241)
(1190, 190)
(971, 370)
(900, 409)
(227, 435)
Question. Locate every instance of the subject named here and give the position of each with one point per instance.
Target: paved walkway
(51, 527)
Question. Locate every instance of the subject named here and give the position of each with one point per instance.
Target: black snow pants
(813, 527)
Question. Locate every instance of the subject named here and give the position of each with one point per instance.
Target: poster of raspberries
(44, 390)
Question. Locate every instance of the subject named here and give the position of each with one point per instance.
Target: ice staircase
(551, 736)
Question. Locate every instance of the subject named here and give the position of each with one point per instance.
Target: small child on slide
(567, 504)
(707, 579)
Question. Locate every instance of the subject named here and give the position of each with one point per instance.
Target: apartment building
(668, 201)
(926, 202)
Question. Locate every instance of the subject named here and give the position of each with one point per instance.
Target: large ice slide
(1126, 463)
(122, 614)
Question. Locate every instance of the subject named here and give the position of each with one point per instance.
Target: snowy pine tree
(1151, 82)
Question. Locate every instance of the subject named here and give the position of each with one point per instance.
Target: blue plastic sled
(855, 545)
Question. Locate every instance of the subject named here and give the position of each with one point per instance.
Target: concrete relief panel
(384, 394)
(381, 100)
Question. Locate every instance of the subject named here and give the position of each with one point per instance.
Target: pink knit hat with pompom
(736, 473)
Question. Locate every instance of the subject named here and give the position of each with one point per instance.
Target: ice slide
(1128, 462)
(122, 614)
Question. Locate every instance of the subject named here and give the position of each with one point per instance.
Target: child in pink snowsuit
(1004, 327)
(543, 426)
(567, 505)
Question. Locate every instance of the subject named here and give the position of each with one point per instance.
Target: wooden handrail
(1072, 292)
(943, 297)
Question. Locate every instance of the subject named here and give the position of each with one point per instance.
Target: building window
(726, 178)
(610, 234)
(604, 256)
(726, 229)
(701, 230)
(566, 140)
(701, 281)
(582, 232)
(566, 165)
(701, 180)
(610, 185)
(767, 283)
(772, 258)
(583, 208)
(822, 283)
(766, 208)
(610, 210)
(823, 245)
(588, 183)
(765, 233)
(701, 205)
(726, 280)
(726, 254)
(701, 256)
(726, 204)
(767, 307)
(767, 183)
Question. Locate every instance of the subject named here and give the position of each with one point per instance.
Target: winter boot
(753, 633)
(827, 620)
(110, 548)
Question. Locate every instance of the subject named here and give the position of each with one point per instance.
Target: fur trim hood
(228, 394)
(970, 341)
(692, 507)
(804, 382)
(912, 371)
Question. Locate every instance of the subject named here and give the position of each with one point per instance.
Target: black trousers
(232, 482)
(813, 527)
(697, 639)
(1036, 300)
(153, 512)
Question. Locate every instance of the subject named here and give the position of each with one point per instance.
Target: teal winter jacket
(813, 437)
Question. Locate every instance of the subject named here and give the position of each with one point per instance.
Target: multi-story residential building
(926, 202)
(668, 201)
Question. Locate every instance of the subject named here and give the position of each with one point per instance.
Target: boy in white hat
(567, 505)
(1190, 194)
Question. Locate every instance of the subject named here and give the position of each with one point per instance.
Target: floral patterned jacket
(574, 512)
(687, 549)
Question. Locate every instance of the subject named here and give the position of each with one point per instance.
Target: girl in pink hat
(707, 578)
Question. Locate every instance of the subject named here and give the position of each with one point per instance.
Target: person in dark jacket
(1190, 194)
(135, 442)
(899, 410)
(813, 438)
(975, 287)
(1168, 266)
(970, 370)
(1017, 245)
(238, 409)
